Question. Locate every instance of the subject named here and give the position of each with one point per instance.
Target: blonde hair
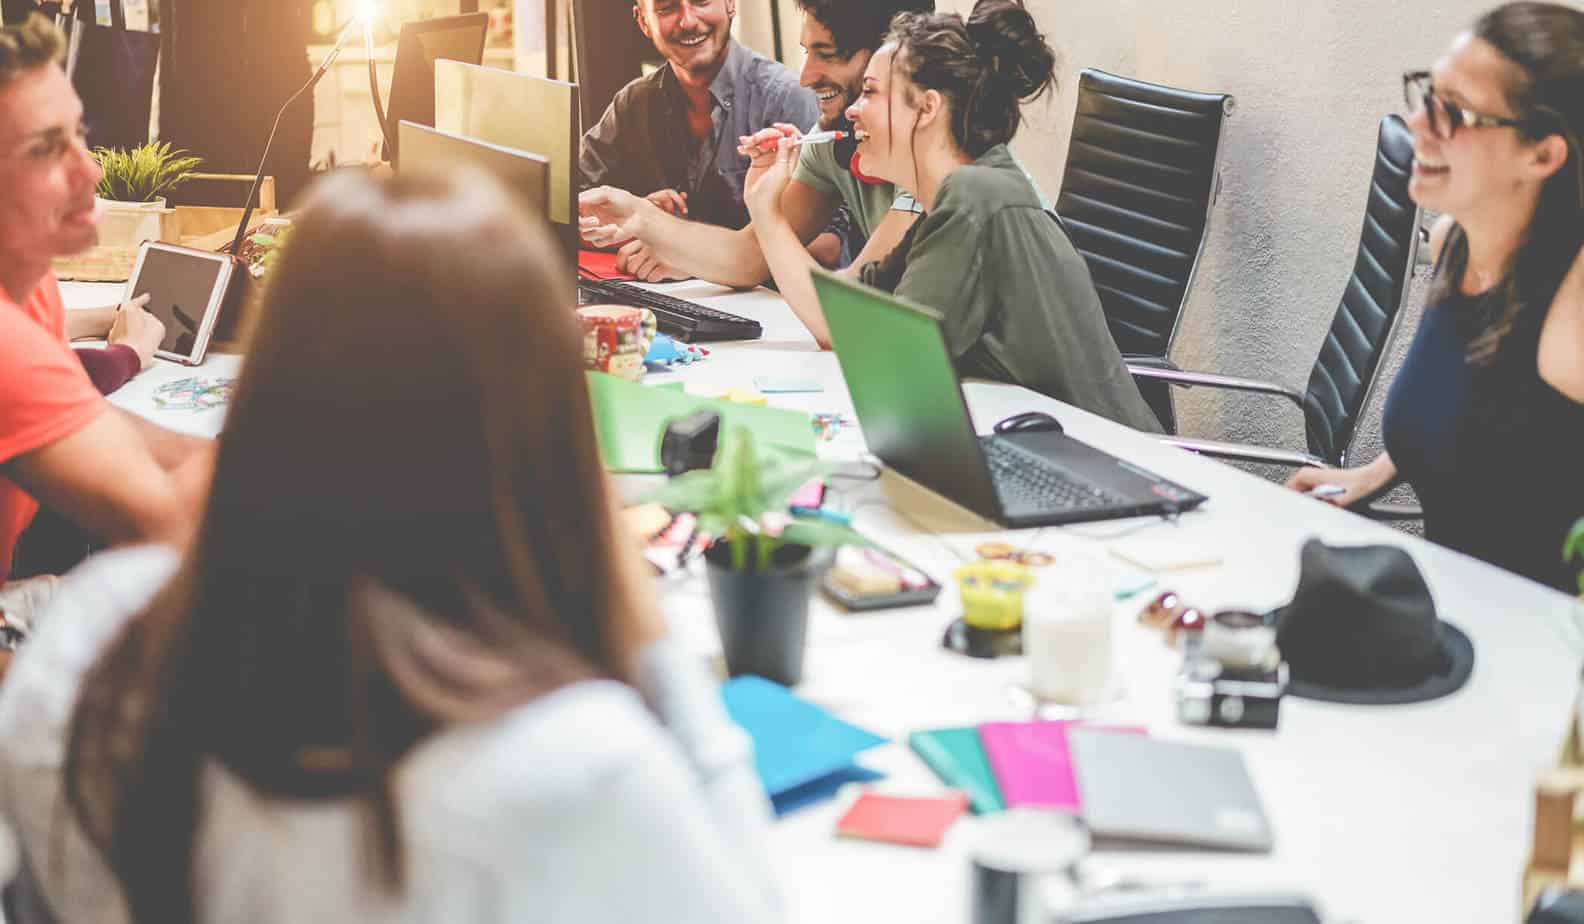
(28, 46)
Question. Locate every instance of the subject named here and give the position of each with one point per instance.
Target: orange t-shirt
(44, 396)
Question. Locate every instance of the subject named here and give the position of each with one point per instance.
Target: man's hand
(638, 259)
(671, 201)
(138, 329)
(609, 217)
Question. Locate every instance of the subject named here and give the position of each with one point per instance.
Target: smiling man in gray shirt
(672, 136)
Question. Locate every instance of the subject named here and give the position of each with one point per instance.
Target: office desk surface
(1388, 814)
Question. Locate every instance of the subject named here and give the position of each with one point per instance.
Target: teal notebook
(958, 758)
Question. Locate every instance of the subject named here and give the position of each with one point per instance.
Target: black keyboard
(1025, 480)
(684, 320)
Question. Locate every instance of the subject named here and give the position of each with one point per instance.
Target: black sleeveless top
(1495, 453)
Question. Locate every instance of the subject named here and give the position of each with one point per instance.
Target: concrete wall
(1311, 80)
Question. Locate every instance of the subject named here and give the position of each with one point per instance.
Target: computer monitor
(517, 111)
(420, 45)
(431, 149)
(609, 52)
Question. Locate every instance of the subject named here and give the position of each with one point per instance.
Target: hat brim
(1460, 665)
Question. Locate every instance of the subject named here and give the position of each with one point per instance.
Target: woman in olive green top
(940, 101)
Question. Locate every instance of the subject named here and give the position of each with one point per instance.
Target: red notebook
(912, 821)
(1032, 762)
(600, 265)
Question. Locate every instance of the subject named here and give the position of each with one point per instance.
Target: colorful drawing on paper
(194, 394)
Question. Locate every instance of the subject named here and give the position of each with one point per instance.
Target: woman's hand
(763, 187)
(1355, 484)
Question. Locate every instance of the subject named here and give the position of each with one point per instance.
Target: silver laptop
(1139, 788)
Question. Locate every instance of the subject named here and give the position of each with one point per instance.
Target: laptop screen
(906, 391)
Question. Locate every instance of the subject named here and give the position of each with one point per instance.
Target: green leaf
(1574, 544)
(821, 534)
(144, 173)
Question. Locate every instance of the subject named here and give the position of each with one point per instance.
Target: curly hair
(986, 67)
(860, 25)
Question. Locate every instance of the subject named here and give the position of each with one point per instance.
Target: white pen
(1326, 490)
(820, 138)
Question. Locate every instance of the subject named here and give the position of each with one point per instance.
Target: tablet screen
(181, 287)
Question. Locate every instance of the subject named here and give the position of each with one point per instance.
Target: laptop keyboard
(1026, 480)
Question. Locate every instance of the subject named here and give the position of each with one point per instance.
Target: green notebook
(958, 758)
(629, 419)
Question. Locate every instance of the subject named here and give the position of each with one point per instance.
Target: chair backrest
(1141, 177)
(1344, 374)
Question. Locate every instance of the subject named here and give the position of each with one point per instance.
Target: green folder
(958, 758)
(630, 418)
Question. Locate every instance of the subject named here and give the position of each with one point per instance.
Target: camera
(1210, 693)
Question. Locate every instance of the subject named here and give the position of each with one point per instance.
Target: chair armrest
(1243, 452)
(1390, 512)
(1210, 380)
(1143, 361)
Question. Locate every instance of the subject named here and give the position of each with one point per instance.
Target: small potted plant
(132, 193)
(762, 564)
(143, 176)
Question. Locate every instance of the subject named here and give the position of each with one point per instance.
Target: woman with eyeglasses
(411, 669)
(1486, 417)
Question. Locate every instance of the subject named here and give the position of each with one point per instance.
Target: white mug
(1067, 638)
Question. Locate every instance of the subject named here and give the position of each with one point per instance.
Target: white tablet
(187, 289)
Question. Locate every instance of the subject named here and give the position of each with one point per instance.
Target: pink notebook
(1032, 763)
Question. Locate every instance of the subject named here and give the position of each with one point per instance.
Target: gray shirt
(642, 143)
(1018, 300)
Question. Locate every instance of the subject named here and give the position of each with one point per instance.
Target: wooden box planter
(127, 225)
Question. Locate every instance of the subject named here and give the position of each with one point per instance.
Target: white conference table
(1385, 814)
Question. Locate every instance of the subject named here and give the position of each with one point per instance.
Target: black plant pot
(763, 615)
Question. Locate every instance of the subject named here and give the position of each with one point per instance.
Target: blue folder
(802, 752)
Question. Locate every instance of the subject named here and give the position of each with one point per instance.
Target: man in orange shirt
(114, 475)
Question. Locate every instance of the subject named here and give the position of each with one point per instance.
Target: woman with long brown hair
(1486, 417)
(409, 670)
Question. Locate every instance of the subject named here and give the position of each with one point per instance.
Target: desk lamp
(367, 13)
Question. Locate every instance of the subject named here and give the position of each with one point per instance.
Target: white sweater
(579, 807)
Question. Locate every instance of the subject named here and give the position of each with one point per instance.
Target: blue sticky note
(784, 385)
(802, 752)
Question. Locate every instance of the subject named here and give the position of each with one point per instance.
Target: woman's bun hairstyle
(1013, 51)
(986, 66)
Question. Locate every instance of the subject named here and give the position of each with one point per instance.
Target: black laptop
(910, 404)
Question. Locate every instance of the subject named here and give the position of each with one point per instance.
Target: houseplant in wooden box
(132, 190)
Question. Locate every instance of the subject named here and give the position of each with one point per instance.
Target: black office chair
(1346, 371)
(1141, 177)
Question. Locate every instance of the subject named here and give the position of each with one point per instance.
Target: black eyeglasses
(1445, 116)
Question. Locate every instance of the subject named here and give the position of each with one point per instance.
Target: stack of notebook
(1005, 764)
(1124, 784)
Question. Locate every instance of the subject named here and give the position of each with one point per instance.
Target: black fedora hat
(1362, 628)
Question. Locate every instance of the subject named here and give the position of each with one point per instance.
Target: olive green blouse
(1018, 301)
